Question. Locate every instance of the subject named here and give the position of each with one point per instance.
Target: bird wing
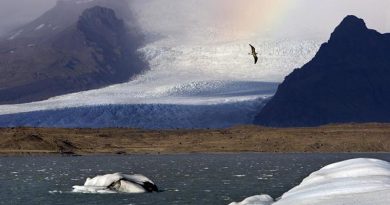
(253, 48)
(256, 58)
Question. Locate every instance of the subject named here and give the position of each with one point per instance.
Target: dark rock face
(347, 81)
(61, 56)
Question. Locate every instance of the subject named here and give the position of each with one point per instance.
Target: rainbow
(246, 18)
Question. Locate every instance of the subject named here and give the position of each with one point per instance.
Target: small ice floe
(55, 192)
(115, 183)
(355, 181)
(226, 182)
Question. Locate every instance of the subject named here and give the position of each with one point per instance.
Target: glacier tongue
(151, 116)
(202, 104)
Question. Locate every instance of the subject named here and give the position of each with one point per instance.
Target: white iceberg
(114, 183)
(355, 181)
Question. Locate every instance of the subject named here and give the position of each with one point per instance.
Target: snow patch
(15, 35)
(39, 27)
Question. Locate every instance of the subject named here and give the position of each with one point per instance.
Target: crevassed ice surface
(357, 181)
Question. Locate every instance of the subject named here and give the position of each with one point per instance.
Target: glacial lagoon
(184, 178)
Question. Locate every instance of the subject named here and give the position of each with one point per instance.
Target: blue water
(186, 179)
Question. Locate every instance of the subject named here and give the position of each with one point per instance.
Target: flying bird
(254, 54)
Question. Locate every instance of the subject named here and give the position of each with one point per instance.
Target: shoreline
(341, 138)
(46, 154)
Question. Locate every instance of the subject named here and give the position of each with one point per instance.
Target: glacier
(356, 181)
(188, 86)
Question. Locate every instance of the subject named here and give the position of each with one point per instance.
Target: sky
(235, 19)
(227, 19)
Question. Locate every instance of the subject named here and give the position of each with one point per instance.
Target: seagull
(254, 54)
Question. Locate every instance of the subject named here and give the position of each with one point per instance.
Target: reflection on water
(187, 179)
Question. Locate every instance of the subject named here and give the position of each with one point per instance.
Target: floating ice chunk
(114, 183)
(256, 200)
(55, 192)
(355, 181)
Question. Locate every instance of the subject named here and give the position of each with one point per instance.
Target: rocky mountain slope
(347, 81)
(94, 46)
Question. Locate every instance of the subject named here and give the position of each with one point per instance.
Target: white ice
(355, 181)
(100, 183)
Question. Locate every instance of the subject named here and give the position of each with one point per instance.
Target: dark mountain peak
(98, 17)
(351, 23)
(102, 28)
(98, 12)
(347, 81)
(352, 28)
(352, 42)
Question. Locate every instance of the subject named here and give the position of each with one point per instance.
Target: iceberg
(356, 181)
(117, 183)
